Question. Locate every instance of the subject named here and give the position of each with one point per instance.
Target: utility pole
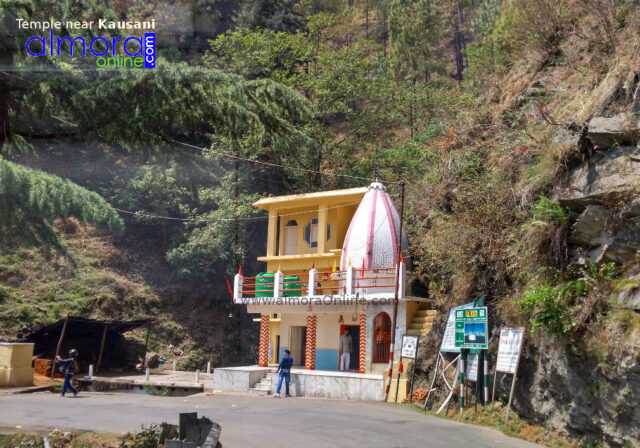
(395, 296)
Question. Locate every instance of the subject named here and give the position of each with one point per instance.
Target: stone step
(426, 313)
(418, 332)
(420, 326)
(261, 392)
(423, 319)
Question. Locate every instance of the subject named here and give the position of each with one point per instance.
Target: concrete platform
(162, 378)
(304, 383)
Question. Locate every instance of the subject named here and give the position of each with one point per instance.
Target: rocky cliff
(585, 383)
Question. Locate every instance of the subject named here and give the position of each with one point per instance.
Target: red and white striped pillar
(310, 350)
(363, 342)
(263, 350)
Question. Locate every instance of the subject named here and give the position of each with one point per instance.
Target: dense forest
(127, 193)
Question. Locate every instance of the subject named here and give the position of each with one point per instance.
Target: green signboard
(471, 328)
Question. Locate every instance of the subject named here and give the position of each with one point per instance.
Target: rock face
(605, 191)
(623, 129)
(592, 402)
(605, 177)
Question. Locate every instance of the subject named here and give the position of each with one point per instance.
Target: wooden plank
(104, 338)
(146, 344)
(64, 330)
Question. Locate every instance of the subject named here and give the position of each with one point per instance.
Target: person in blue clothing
(68, 367)
(285, 372)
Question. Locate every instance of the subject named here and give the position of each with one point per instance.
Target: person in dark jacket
(285, 372)
(68, 367)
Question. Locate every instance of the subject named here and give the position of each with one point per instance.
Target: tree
(145, 111)
(276, 15)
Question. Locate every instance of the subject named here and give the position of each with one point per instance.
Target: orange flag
(229, 286)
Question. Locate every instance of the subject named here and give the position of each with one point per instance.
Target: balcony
(332, 286)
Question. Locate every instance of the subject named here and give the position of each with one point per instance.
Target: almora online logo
(145, 56)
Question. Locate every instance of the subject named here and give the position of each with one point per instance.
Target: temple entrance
(354, 357)
(298, 344)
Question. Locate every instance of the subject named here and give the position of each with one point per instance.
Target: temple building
(328, 288)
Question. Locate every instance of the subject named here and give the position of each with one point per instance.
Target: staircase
(262, 387)
(422, 320)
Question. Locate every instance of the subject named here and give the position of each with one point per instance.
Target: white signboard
(509, 349)
(409, 346)
(472, 367)
(449, 338)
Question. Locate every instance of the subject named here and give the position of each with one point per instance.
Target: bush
(551, 307)
(545, 211)
(149, 437)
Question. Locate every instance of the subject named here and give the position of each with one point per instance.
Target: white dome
(372, 234)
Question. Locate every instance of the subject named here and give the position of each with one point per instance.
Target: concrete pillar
(313, 274)
(263, 350)
(402, 280)
(277, 284)
(310, 352)
(272, 236)
(322, 228)
(348, 290)
(237, 287)
(363, 342)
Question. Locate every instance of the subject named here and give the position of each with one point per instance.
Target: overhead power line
(229, 155)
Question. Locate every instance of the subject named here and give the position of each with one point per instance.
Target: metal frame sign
(472, 367)
(448, 340)
(509, 349)
(471, 328)
(409, 346)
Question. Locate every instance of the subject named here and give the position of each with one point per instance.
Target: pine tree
(145, 111)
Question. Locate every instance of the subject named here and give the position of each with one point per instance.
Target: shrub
(551, 307)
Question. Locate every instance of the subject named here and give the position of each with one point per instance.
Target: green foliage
(553, 308)
(261, 53)
(218, 243)
(545, 211)
(30, 200)
(149, 437)
(550, 307)
(21, 441)
(414, 27)
(344, 85)
(4, 293)
(277, 15)
(538, 24)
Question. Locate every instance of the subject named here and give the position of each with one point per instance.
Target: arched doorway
(381, 337)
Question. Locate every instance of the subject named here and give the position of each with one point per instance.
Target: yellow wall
(274, 331)
(334, 209)
(15, 364)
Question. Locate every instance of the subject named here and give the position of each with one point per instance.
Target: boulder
(606, 176)
(623, 129)
(606, 235)
(589, 226)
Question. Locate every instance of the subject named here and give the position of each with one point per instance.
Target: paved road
(249, 421)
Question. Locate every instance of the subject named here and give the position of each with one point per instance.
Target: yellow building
(331, 270)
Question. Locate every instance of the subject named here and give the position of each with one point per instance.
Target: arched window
(381, 337)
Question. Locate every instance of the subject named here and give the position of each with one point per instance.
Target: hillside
(102, 276)
(514, 123)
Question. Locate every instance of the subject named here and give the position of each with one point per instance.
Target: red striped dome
(372, 234)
